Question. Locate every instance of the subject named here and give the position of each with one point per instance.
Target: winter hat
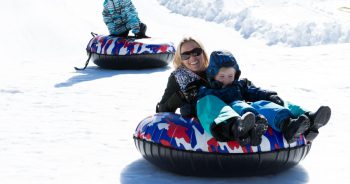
(219, 59)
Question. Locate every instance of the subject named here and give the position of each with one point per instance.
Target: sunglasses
(194, 52)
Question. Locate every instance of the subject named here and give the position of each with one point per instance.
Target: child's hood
(220, 59)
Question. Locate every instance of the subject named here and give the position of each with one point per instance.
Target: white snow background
(58, 125)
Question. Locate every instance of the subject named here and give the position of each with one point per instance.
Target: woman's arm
(172, 97)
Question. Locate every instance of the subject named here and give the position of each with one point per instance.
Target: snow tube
(180, 145)
(128, 53)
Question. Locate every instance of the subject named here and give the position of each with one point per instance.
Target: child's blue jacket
(242, 89)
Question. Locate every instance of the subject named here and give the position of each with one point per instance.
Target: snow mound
(281, 22)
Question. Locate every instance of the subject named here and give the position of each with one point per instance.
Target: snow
(292, 23)
(58, 125)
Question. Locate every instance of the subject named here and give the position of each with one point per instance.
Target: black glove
(190, 93)
(276, 99)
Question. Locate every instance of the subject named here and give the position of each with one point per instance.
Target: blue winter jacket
(240, 89)
(120, 16)
(243, 90)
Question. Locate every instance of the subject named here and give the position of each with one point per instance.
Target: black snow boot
(243, 141)
(234, 128)
(241, 126)
(293, 128)
(318, 119)
(222, 131)
(260, 119)
(124, 34)
(259, 129)
(142, 33)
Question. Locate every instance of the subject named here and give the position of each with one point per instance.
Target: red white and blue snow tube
(180, 145)
(129, 53)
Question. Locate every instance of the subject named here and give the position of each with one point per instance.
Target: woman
(191, 62)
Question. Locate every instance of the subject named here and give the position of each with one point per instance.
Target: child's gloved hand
(216, 84)
(190, 93)
(276, 99)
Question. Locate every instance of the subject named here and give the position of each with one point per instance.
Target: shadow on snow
(94, 72)
(141, 171)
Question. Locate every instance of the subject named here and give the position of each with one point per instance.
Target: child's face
(226, 75)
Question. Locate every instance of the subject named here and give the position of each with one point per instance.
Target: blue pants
(211, 109)
(274, 113)
(242, 107)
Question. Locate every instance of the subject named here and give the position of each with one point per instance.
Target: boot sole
(311, 135)
(304, 125)
(259, 130)
(244, 141)
(322, 118)
(247, 123)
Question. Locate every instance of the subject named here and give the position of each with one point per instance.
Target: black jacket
(174, 97)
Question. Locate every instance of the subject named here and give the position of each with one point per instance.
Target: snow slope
(58, 125)
(292, 23)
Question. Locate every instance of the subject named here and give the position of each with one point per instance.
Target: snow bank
(280, 22)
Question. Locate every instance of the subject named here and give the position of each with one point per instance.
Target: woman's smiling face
(195, 62)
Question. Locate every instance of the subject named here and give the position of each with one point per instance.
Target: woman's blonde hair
(177, 58)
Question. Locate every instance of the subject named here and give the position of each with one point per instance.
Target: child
(120, 17)
(221, 104)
